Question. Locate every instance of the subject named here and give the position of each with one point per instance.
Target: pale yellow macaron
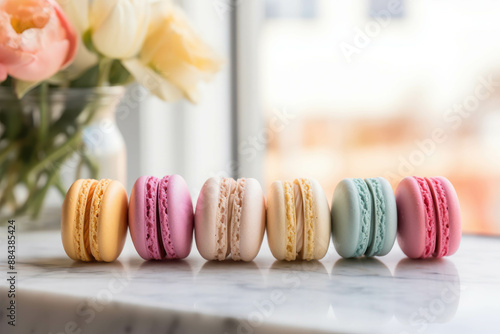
(94, 220)
(298, 220)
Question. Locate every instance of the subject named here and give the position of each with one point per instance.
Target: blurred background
(386, 88)
(334, 89)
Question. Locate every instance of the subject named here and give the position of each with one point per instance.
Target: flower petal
(177, 53)
(71, 34)
(99, 11)
(122, 34)
(153, 81)
(77, 12)
(45, 64)
(10, 57)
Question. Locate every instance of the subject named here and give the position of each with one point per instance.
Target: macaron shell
(276, 220)
(347, 219)
(180, 212)
(135, 212)
(411, 218)
(138, 224)
(205, 219)
(69, 220)
(322, 224)
(455, 220)
(252, 220)
(112, 222)
(391, 214)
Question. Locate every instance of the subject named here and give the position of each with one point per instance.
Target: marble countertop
(387, 295)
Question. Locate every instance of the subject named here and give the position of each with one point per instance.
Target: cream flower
(118, 27)
(173, 59)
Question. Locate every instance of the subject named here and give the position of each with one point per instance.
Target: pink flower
(36, 39)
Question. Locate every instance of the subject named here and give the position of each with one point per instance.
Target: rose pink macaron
(429, 223)
(161, 217)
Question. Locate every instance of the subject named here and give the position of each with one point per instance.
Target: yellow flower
(173, 59)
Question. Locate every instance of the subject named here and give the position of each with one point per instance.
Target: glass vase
(50, 138)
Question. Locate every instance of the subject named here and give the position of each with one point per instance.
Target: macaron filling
(237, 201)
(309, 218)
(81, 240)
(299, 218)
(223, 214)
(166, 236)
(95, 209)
(294, 207)
(430, 224)
(291, 226)
(442, 217)
(379, 218)
(153, 247)
(365, 216)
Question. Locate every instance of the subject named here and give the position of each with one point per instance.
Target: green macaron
(364, 217)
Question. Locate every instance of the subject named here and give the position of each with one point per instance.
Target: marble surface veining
(392, 294)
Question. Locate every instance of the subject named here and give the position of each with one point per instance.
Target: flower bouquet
(59, 62)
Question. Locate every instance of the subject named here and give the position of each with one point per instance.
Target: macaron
(298, 220)
(161, 217)
(364, 217)
(429, 221)
(230, 219)
(94, 220)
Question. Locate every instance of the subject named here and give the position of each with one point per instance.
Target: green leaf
(88, 79)
(23, 87)
(118, 74)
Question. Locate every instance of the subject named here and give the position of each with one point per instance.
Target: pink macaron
(161, 217)
(429, 223)
(230, 219)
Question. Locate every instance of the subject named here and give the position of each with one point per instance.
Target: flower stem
(8, 195)
(68, 147)
(5, 152)
(104, 70)
(60, 187)
(39, 198)
(44, 113)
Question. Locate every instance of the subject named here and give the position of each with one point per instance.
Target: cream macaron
(94, 220)
(230, 219)
(298, 220)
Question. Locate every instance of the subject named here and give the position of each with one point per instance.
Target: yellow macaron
(94, 220)
(298, 220)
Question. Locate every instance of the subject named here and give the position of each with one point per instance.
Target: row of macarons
(231, 216)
